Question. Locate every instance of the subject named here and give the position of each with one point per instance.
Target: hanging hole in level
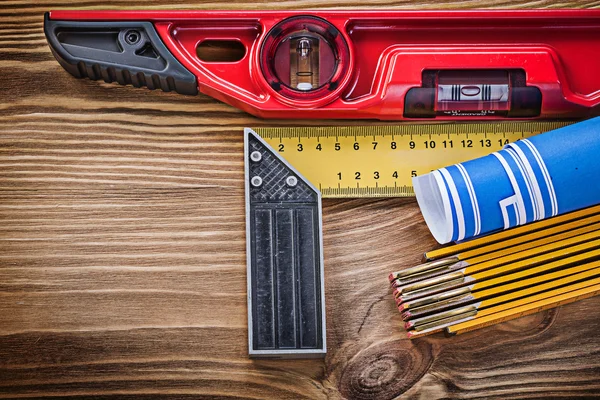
(220, 50)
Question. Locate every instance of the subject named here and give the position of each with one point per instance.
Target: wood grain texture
(122, 253)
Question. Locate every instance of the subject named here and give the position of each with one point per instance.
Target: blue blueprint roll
(532, 179)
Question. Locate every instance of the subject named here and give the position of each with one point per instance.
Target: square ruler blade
(286, 307)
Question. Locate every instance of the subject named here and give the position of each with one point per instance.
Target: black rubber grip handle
(130, 53)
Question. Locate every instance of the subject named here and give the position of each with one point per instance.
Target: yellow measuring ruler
(380, 160)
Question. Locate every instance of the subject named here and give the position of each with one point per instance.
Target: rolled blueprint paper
(532, 179)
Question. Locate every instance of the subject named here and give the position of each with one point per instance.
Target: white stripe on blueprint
(474, 203)
(520, 206)
(504, 204)
(459, 211)
(546, 174)
(537, 202)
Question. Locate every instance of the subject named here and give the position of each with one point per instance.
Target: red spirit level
(347, 64)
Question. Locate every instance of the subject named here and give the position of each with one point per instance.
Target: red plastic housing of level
(558, 50)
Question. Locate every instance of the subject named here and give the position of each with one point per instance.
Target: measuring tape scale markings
(380, 161)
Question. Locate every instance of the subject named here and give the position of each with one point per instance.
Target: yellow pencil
(511, 291)
(526, 309)
(511, 310)
(521, 260)
(477, 282)
(511, 233)
(495, 250)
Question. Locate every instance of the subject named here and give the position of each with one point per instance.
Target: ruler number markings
(355, 162)
(393, 144)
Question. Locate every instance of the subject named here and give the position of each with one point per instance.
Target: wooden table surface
(122, 254)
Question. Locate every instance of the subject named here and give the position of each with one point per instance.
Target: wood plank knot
(386, 370)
